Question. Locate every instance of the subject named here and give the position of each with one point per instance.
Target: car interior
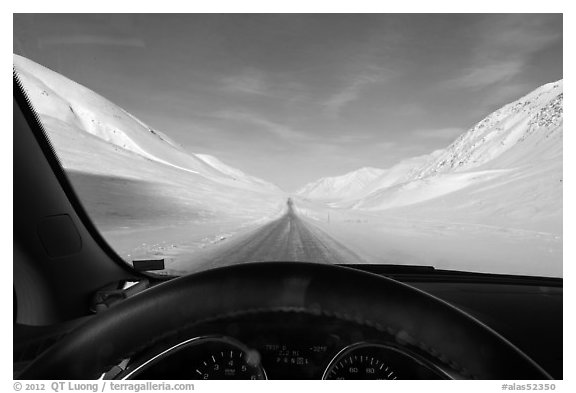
(80, 312)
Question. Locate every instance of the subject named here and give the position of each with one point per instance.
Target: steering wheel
(455, 339)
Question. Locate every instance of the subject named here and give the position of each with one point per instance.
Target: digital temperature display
(282, 359)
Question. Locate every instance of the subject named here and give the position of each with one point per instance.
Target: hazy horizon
(292, 98)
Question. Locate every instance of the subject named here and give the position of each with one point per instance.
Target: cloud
(255, 82)
(89, 39)
(489, 74)
(248, 82)
(438, 133)
(271, 127)
(346, 139)
(504, 48)
(353, 88)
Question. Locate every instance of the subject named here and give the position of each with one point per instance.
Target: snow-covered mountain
(236, 174)
(68, 107)
(361, 182)
(131, 176)
(516, 134)
(509, 163)
(348, 185)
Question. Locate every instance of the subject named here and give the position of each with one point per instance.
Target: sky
(291, 98)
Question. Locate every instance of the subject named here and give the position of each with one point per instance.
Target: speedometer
(360, 362)
(379, 361)
(361, 367)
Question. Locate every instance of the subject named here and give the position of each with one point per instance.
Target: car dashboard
(284, 345)
(293, 345)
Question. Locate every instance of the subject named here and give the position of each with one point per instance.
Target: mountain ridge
(522, 134)
(72, 106)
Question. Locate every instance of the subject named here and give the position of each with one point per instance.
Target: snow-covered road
(288, 238)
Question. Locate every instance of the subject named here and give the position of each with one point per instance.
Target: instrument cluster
(276, 351)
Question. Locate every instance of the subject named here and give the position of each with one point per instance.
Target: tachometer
(230, 364)
(208, 357)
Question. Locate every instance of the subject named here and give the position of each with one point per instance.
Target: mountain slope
(348, 185)
(361, 182)
(516, 134)
(126, 172)
(508, 166)
(63, 103)
(236, 174)
(522, 140)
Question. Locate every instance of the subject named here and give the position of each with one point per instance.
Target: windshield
(197, 141)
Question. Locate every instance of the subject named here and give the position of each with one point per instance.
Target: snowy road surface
(288, 238)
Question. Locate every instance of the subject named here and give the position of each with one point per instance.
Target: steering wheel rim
(450, 336)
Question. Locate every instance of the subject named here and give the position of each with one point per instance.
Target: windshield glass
(197, 141)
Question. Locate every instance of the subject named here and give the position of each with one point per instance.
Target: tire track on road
(288, 238)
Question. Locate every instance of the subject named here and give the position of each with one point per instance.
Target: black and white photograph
(287, 196)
